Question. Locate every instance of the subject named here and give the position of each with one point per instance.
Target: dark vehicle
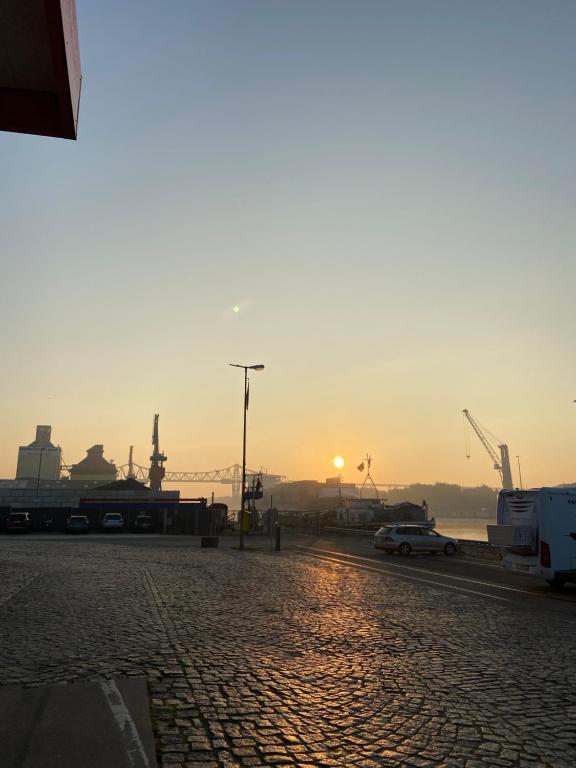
(18, 522)
(77, 524)
(143, 524)
(219, 517)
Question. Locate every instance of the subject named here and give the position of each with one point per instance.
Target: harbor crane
(157, 471)
(502, 462)
(131, 474)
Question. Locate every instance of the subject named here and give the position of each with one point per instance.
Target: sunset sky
(384, 190)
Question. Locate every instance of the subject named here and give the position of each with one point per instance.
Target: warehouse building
(50, 503)
(94, 468)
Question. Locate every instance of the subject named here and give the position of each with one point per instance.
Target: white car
(112, 521)
(413, 538)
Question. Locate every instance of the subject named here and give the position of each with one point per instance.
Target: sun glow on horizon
(338, 462)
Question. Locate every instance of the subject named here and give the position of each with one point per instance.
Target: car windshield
(113, 516)
(384, 531)
(18, 516)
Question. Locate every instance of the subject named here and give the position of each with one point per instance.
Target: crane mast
(157, 471)
(507, 483)
(131, 463)
(502, 462)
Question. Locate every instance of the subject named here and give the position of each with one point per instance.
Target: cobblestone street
(270, 659)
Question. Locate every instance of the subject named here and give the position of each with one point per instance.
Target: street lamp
(246, 368)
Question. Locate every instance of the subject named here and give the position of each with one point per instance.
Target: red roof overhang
(39, 67)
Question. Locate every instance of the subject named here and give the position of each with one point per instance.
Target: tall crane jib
(501, 462)
(157, 471)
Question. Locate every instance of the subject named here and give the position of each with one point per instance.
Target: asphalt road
(92, 725)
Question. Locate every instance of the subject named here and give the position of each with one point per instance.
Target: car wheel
(449, 549)
(404, 548)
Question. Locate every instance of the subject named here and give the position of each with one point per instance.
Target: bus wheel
(557, 582)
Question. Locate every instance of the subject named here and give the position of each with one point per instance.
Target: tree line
(448, 498)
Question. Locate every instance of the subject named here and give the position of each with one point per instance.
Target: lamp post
(246, 368)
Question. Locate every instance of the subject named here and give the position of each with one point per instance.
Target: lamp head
(258, 367)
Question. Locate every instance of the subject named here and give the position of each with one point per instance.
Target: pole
(242, 490)
(246, 368)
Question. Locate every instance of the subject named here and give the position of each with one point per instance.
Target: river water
(464, 528)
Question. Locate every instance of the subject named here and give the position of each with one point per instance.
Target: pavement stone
(259, 659)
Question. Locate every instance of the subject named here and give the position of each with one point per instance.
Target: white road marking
(380, 570)
(127, 727)
(19, 589)
(385, 565)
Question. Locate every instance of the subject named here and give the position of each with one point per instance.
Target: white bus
(536, 533)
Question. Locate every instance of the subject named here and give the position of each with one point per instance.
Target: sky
(385, 191)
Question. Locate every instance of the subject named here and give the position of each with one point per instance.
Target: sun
(338, 462)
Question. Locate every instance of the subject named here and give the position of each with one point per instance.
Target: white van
(536, 533)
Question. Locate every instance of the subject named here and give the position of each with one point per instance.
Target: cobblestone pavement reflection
(271, 659)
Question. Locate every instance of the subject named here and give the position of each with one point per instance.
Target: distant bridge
(229, 475)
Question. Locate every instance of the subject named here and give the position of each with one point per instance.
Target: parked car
(18, 522)
(112, 521)
(77, 524)
(413, 538)
(143, 524)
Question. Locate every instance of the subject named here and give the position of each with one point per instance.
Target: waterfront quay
(323, 654)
